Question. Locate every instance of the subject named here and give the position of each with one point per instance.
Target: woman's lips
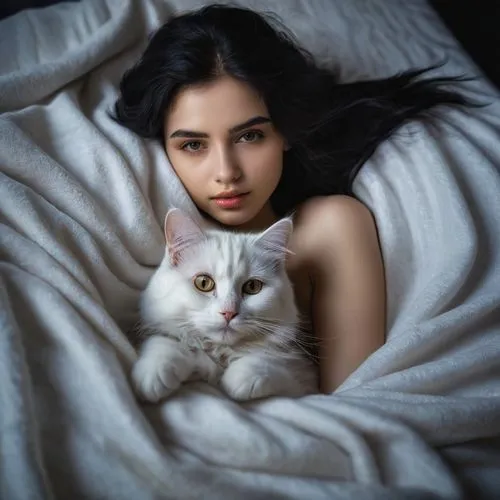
(231, 202)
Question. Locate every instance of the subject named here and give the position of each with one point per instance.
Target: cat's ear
(274, 240)
(181, 232)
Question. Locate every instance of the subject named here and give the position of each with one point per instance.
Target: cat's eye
(252, 287)
(204, 283)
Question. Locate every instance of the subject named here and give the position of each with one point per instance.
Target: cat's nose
(228, 315)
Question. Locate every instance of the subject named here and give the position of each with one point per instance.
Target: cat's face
(225, 287)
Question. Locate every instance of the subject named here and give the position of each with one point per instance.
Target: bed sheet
(81, 206)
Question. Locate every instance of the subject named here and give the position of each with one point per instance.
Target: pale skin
(219, 137)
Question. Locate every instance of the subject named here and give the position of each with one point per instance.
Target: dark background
(475, 23)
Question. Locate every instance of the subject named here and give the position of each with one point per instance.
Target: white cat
(221, 308)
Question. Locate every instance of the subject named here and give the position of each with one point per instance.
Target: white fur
(190, 337)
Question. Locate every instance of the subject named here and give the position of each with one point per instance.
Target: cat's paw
(245, 379)
(160, 370)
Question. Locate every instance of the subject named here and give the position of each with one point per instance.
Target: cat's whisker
(303, 330)
(287, 347)
(289, 334)
(292, 329)
(289, 342)
(280, 354)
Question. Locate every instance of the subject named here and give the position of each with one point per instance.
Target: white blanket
(81, 206)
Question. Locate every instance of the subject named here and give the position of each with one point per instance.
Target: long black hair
(331, 128)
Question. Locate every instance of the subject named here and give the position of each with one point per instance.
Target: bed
(81, 205)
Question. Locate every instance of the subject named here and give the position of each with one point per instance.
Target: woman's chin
(245, 219)
(236, 217)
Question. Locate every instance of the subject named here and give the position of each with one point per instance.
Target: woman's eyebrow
(256, 120)
(193, 134)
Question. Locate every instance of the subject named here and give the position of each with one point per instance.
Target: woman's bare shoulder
(327, 220)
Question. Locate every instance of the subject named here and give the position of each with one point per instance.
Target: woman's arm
(348, 300)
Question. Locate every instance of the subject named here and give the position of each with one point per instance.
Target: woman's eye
(251, 136)
(192, 146)
(204, 283)
(252, 287)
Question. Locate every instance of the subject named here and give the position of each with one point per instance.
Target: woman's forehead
(221, 103)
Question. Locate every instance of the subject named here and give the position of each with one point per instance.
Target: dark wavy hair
(332, 128)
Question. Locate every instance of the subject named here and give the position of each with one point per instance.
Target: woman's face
(225, 150)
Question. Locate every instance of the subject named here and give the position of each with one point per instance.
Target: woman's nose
(228, 169)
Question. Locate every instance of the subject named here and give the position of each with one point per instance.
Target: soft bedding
(81, 206)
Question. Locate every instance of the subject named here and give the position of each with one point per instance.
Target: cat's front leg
(257, 376)
(162, 366)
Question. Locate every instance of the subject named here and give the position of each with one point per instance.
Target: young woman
(255, 129)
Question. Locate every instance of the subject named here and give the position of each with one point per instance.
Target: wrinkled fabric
(81, 207)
